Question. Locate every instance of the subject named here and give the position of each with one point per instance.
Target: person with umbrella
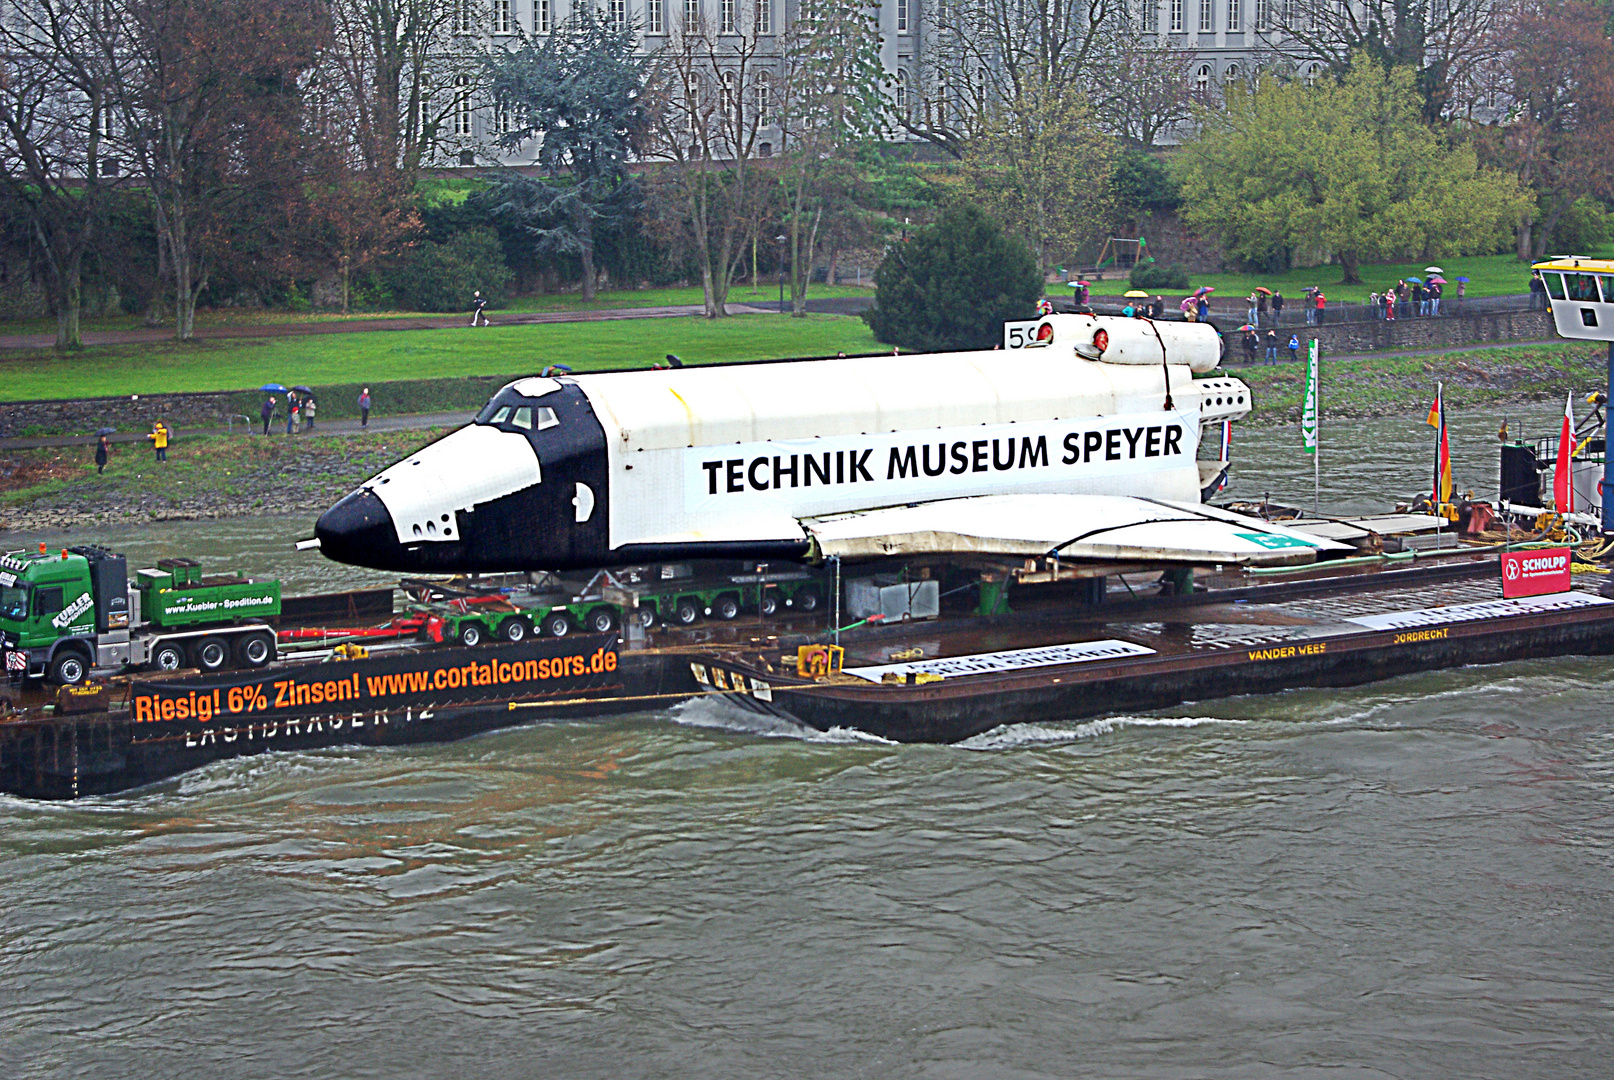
(1203, 307)
(292, 416)
(267, 412)
(103, 450)
(1261, 294)
(1251, 343)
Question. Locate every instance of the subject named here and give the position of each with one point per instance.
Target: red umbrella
(1263, 288)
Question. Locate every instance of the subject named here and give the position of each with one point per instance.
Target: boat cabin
(1581, 294)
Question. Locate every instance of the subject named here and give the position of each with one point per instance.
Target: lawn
(1490, 275)
(387, 355)
(740, 294)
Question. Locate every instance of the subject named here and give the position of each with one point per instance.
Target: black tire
(602, 620)
(514, 629)
(470, 633)
(808, 600)
(646, 615)
(770, 602)
(726, 607)
(69, 668)
(686, 613)
(254, 650)
(557, 624)
(168, 656)
(210, 654)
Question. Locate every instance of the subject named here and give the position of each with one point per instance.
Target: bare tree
(203, 88)
(1442, 41)
(711, 96)
(406, 74)
(831, 103)
(55, 114)
(979, 53)
(1145, 87)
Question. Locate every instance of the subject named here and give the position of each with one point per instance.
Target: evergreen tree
(954, 285)
(579, 92)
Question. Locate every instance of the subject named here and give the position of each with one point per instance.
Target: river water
(1411, 879)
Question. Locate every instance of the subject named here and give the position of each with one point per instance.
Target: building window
(902, 16)
(727, 101)
(940, 109)
(1311, 73)
(652, 17)
(764, 91)
(619, 15)
(503, 119)
(543, 16)
(726, 17)
(1207, 16)
(1231, 75)
(901, 94)
(1151, 16)
(501, 17)
(1176, 16)
(765, 149)
(764, 16)
(692, 14)
(1235, 17)
(1202, 79)
(461, 20)
(462, 104)
(692, 103)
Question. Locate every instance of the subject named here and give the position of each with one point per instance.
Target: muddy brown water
(1411, 879)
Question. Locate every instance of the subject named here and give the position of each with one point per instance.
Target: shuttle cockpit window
(1555, 285)
(1582, 287)
(509, 412)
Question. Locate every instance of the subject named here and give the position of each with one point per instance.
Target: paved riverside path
(156, 334)
(422, 421)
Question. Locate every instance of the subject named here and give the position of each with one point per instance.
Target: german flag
(1442, 479)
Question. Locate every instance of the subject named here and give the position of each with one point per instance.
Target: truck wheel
(726, 607)
(556, 624)
(807, 600)
(69, 668)
(602, 620)
(513, 630)
(770, 602)
(168, 657)
(470, 634)
(210, 654)
(647, 616)
(254, 650)
(686, 613)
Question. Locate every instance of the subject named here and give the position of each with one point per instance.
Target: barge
(948, 683)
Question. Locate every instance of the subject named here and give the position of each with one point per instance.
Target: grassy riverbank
(381, 356)
(204, 477)
(1390, 386)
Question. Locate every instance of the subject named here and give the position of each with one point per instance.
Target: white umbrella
(1433, 270)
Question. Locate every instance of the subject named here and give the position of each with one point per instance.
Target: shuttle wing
(1070, 526)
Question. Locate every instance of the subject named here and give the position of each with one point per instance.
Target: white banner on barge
(952, 667)
(1489, 609)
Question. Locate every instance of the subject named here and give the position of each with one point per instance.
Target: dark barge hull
(956, 709)
(103, 753)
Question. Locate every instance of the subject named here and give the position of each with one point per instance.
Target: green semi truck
(67, 614)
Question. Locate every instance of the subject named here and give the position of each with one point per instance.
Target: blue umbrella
(1414, 281)
(1463, 279)
(273, 388)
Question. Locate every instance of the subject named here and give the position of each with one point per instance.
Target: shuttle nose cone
(358, 530)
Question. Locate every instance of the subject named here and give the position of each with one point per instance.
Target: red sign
(1535, 573)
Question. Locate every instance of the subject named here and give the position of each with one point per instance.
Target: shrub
(1151, 275)
(434, 276)
(953, 285)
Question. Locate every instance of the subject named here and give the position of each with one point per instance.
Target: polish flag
(1563, 493)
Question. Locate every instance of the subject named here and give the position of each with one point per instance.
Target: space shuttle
(1080, 438)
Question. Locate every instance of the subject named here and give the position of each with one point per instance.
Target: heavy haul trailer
(64, 615)
(679, 594)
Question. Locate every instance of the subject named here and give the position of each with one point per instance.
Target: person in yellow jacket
(159, 439)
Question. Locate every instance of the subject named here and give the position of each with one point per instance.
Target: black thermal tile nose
(358, 530)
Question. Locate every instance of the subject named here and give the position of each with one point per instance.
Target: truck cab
(65, 614)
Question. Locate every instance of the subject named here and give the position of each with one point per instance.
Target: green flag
(1308, 412)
